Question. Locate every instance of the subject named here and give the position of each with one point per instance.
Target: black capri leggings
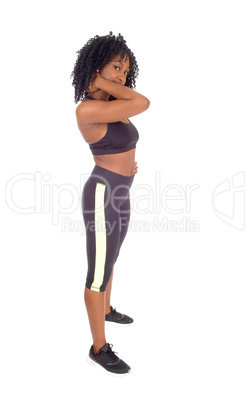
(106, 214)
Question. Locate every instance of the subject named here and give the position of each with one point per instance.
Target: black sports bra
(120, 137)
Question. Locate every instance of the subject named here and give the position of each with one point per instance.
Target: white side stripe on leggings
(100, 237)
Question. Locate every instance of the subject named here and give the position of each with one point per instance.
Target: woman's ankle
(97, 346)
(107, 310)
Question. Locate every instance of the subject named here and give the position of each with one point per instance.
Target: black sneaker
(108, 361)
(118, 318)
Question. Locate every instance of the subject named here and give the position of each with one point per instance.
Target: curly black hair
(94, 55)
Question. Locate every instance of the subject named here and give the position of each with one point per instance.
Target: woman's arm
(128, 103)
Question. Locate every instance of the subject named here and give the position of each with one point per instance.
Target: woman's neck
(99, 95)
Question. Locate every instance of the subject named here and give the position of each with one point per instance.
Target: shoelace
(110, 353)
(118, 314)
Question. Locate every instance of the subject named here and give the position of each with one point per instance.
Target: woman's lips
(118, 83)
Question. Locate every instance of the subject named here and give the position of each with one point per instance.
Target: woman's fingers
(135, 168)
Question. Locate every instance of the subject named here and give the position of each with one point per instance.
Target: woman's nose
(121, 78)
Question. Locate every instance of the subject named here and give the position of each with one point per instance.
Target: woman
(103, 76)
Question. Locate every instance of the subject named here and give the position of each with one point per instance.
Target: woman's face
(116, 70)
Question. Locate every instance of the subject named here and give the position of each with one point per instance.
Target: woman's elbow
(141, 104)
(144, 103)
(147, 103)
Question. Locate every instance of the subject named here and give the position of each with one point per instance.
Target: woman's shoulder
(87, 108)
(91, 132)
(81, 106)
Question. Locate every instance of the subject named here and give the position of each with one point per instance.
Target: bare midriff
(122, 163)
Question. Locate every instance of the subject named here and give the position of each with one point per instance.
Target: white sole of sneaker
(93, 363)
(117, 324)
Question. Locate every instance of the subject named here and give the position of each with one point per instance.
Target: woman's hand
(93, 86)
(136, 168)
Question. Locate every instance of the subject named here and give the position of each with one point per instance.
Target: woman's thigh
(104, 230)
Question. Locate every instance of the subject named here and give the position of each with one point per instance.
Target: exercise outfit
(106, 205)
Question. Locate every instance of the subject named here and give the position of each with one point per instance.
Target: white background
(188, 291)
